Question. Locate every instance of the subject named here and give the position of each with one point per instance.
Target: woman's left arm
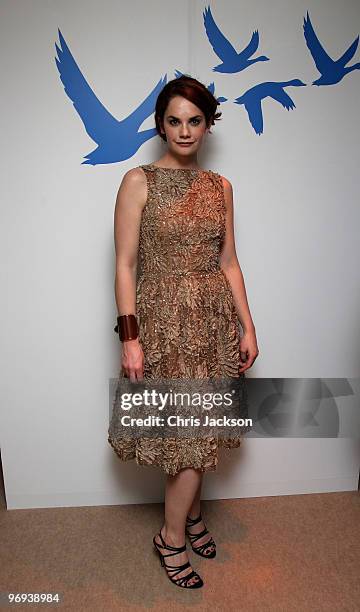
(230, 265)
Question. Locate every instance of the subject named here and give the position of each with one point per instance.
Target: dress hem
(172, 470)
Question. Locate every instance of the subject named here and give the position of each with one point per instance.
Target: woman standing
(180, 295)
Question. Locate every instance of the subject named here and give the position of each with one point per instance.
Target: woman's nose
(184, 130)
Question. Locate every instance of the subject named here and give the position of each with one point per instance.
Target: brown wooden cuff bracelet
(127, 327)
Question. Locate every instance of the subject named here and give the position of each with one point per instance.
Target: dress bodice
(183, 221)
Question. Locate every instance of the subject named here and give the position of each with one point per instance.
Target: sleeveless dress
(188, 325)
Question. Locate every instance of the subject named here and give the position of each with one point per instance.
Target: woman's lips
(185, 144)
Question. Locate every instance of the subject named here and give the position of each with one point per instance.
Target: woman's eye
(174, 121)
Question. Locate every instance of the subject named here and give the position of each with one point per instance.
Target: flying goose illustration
(210, 87)
(116, 140)
(332, 71)
(253, 97)
(232, 61)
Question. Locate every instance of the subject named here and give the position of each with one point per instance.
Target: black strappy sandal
(194, 537)
(176, 569)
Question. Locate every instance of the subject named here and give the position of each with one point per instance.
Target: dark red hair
(194, 91)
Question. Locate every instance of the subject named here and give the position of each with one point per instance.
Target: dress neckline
(178, 169)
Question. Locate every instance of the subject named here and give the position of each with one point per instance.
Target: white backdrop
(296, 198)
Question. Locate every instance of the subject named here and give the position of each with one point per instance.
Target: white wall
(296, 193)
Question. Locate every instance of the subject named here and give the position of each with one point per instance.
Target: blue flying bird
(116, 140)
(232, 61)
(332, 71)
(210, 87)
(252, 98)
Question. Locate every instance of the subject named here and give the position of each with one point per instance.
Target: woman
(179, 318)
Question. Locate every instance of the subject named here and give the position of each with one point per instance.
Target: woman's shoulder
(133, 184)
(226, 183)
(134, 177)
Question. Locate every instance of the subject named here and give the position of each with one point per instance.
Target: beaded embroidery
(188, 325)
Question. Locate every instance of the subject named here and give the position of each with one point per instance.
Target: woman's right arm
(130, 202)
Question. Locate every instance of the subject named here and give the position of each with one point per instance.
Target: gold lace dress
(188, 325)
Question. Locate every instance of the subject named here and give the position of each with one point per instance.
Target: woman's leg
(180, 491)
(179, 495)
(200, 526)
(195, 507)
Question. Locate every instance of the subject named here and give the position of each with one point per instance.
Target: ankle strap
(168, 547)
(193, 521)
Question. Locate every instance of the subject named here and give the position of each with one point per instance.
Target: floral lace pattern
(188, 325)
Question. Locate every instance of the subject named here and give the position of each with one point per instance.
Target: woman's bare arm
(130, 201)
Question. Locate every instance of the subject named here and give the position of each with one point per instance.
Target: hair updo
(194, 91)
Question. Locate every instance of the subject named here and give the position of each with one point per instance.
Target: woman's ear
(162, 130)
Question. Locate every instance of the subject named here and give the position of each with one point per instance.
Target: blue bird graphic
(252, 98)
(332, 71)
(116, 140)
(232, 61)
(210, 87)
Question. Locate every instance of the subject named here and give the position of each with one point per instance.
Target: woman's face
(183, 123)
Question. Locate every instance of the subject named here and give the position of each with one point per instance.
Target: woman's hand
(248, 350)
(132, 360)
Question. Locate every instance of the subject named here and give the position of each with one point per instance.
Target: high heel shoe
(176, 569)
(194, 537)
